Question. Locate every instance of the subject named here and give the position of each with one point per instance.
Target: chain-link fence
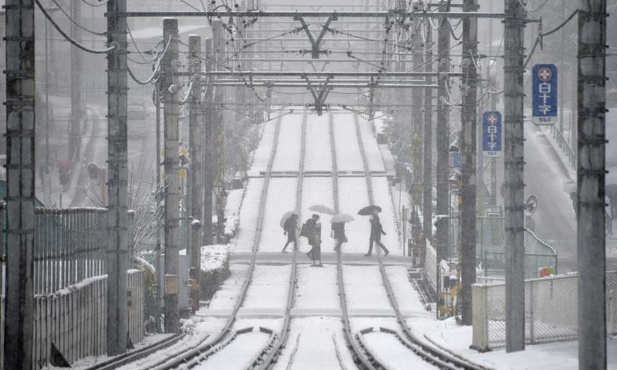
(538, 255)
(551, 311)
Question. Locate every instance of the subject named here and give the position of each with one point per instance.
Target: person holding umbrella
(376, 233)
(338, 229)
(290, 226)
(312, 230)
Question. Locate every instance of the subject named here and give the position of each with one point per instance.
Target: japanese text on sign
(544, 94)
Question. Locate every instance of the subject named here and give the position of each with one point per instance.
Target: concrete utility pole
(196, 153)
(20, 141)
(208, 149)
(441, 137)
(217, 125)
(468, 159)
(427, 174)
(171, 110)
(117, 172)
(416, 116)
(591, 169)
(76, 85)
(514, 201)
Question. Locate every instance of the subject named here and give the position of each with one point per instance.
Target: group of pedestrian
(311, 229)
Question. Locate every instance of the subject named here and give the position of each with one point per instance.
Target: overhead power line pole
(441, 137)
(76, 85)
(117, 214)
(468, 159)
(171, 110)
(196, 153)
(208, 149)
(427, 188)
(417, 56)
(20, 141)
(591, 169)
(514, 24)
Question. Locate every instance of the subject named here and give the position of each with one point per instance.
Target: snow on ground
(245, 348)
(406, 296)
(317, 191)
(281, 197)
(318, 156)
(353, 196)
(227, 295)
(316, 343)
(365, 291)
(383, 198)
(552, 356)
(373, 155)
(316, 289)
(391, 353)
(348, 156)
(249, 215)
(213, 256)
(264, 150)
(290, 139)
(268, 289)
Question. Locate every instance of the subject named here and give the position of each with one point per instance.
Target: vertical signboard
(544, 94)
(491, 134)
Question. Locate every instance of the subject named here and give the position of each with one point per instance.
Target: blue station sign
(544, 94)
(491, 134)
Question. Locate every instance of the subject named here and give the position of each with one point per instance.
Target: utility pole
(76, 85)
(591, 169)
(514, 185)
(417, 118)
(196, 155)
(217, 127)
(20, 141)
(468, 159)
(171, 110)
(441, 137)
(117, 211)
(208, 148)
(427, 188)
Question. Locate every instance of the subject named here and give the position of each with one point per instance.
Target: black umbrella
(369, 210)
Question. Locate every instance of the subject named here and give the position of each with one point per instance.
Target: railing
(538, 254)
(563, 145)
(69, 246)
(74, 319)
(551, 309)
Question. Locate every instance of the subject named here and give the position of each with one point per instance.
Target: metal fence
(69, 246)
(563, 145)
(538, 254)
(551, 310)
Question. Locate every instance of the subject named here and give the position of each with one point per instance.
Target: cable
(542, 35)
(75, 23)
(67, 37)
(136, 48)
(95, 5)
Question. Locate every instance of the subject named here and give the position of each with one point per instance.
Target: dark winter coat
(376, 229)
(313, 231)
(290, 226)
(338, 230)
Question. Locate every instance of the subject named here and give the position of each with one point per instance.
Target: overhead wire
(69, 38)
(75, 22)
(95, 5)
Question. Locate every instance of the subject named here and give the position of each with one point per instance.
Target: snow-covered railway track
(429, 354)
(192, 356)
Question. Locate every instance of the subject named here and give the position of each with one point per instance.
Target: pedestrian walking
(290, 226)
(312, 231)
(338, 233)
(376, 233)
